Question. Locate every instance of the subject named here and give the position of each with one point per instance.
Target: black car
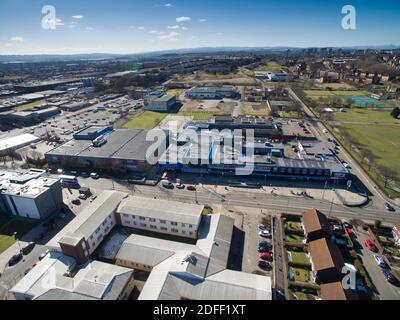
(28, 248)
(389, 276)
(389, 207)
(15, 259)
(264, 265)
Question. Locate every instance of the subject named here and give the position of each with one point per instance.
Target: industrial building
(211, 92)
(162, 104)
(206, 153)
(178, 270)
(12, 144)
(29, 117)
(31, 195)
(118, 151)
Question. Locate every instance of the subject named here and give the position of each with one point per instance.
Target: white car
(325, 131)
(379, 260)
(94, 175)
(264, 233)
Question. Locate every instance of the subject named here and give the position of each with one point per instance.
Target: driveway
(386, 290)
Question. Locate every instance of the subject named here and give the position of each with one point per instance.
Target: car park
(28, 248)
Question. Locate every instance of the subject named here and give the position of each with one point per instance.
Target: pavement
(279, 263)
(386, 290)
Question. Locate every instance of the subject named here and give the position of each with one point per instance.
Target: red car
(191, 188)
(265, 256)
(371, 246)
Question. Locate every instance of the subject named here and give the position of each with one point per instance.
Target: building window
(127, 222)
(174, 223)
(153, 227)
(152, 220)
(183, 225)
(191, 233)
(163, 222)
(190, 226)
(142, 218)
(174, 230)
(143, 225)
(163, 228)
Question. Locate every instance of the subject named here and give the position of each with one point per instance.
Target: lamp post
(16, 239)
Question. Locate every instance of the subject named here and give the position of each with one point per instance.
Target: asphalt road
(386, 290)
(12, 275)
(245, 198)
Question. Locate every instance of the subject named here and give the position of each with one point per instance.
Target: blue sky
(130, 26)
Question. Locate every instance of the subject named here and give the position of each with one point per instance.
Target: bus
(68, 181)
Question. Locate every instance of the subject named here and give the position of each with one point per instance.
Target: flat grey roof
(162, 209)
(121, 144)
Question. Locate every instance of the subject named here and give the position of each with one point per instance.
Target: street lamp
(16, 239)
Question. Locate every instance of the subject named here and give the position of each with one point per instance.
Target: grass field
(332, 93)
(7, 229)
(377, 132)
(146, 120)
(31, 105)
(300, 275)
(175, 92)
(202, 115)
(299, 258)
(270, 66)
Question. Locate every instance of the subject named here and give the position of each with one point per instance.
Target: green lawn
(299, 258)
(294, 238)
(7, 229)
(202, 115)
(378, 133)
(332, 93)
(146, 120)
(31, 105)
(293, 226)
(272, 66)
(300, 275)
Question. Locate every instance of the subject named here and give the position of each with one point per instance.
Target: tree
(395, 113)
(378, 224)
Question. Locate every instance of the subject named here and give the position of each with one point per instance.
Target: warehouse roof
(121, 144)
(17, 141)
(162, 209)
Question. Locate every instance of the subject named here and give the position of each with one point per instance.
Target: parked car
(191, 188)
(389, 207)
(92, 198)
(76, 201)
(264, 233)
(15, 259)
(263, 227)
(263, 249)
(83, 196)
(389, 276)
(265, 256)
(180, 186)
(28, 248)
(371, 246)
(264, 265)
(94, 175)
(167, 184)
(379, 260)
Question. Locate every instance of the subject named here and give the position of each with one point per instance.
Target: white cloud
(77, 17)
(90, 29)
(141, 28)
(172, 36)
(17, 39)
(153, 31)
(203, 20)
(183, 19)
(173, 27)
(184, 28)
(168, 5)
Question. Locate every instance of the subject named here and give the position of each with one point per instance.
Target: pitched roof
(314, 220)
(325, 255)
(333, 291)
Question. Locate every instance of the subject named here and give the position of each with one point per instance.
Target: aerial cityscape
(199, 150)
